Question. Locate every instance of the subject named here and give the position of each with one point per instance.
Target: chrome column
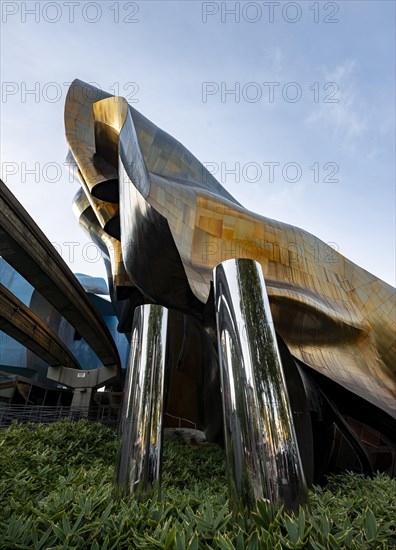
(263, 460)
(138, 467)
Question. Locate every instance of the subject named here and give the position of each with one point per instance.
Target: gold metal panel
(333, 315)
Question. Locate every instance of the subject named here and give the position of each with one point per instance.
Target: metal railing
(181, 420)
(104, 414)
(46, 414)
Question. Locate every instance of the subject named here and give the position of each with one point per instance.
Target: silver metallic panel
(261, 447)
(139, 455)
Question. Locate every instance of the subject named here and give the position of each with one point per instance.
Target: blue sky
(331, 116)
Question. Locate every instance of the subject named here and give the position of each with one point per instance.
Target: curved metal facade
(164, 225)
(176, 223)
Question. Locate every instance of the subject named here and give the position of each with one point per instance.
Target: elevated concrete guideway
(22, 324)
(24, 246)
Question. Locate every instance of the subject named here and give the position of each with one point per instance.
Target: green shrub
(56, 493)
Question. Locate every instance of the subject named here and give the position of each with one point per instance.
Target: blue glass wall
(17, 359)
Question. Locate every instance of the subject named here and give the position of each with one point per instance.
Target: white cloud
(276, 59)
(347, 118)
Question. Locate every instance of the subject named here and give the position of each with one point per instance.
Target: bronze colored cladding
(177, 223)
(110, 247)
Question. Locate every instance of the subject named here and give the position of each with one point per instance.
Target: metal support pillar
(138, 468)
(263, 460)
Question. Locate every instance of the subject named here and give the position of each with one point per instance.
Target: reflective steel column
(262, 453)
(138, 467)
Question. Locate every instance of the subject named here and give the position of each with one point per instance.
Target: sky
(291, 105)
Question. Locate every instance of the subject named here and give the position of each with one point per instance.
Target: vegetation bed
(56, 490)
